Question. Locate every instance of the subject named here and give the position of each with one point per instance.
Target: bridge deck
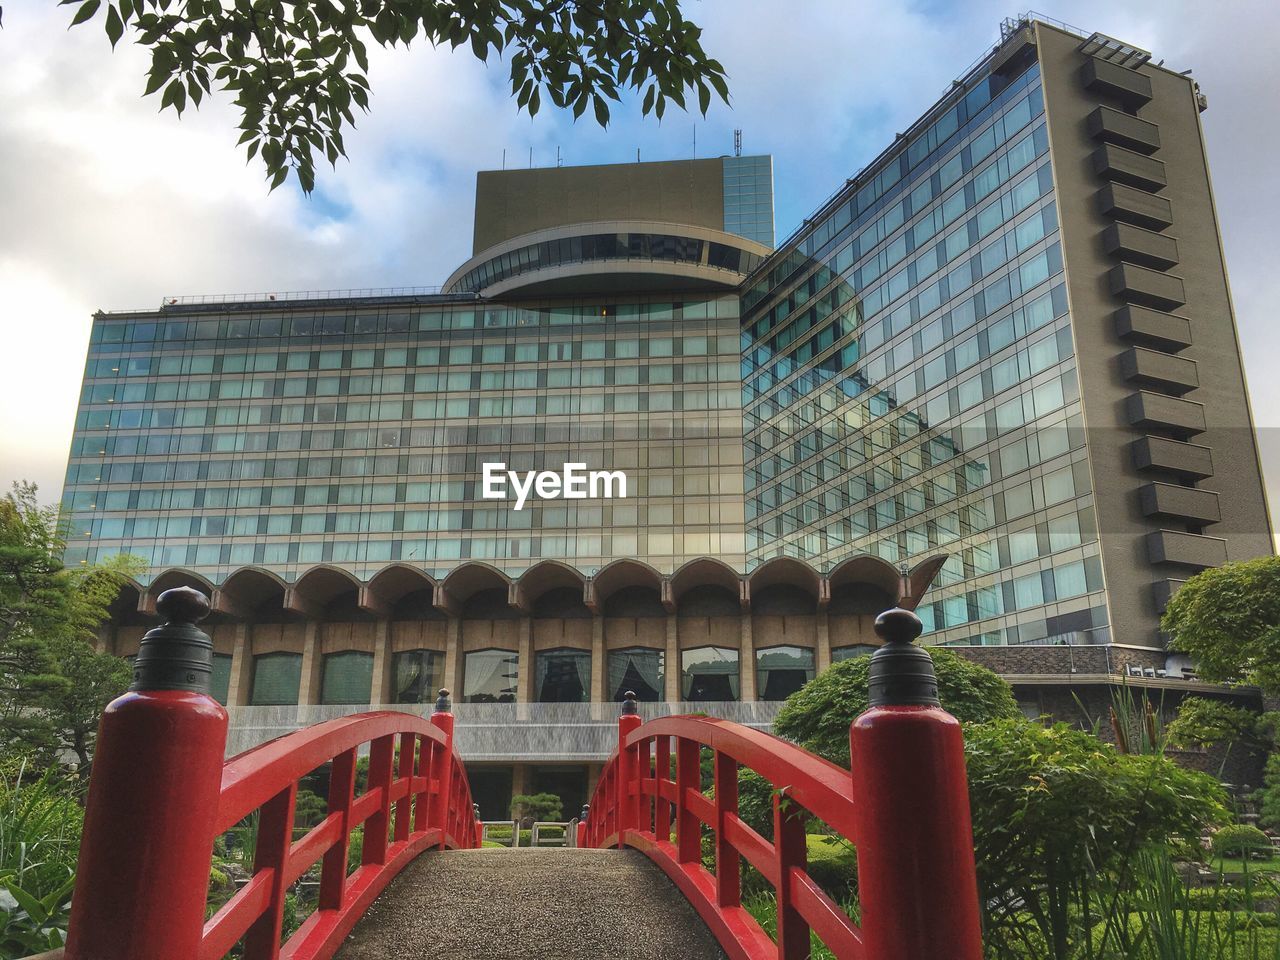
(501, 904)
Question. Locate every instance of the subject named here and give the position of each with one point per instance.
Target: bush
(528, 808)
(40, 828)
(819, 714)
(1241, 840)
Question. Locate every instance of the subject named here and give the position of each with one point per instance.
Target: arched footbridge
(658, 867)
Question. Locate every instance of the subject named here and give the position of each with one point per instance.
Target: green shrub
(1241, 840)
(818, 715)
(40, 825)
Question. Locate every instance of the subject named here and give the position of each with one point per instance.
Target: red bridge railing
(161, 794)
(904, 806)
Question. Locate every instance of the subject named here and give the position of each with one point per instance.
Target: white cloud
(106, 203)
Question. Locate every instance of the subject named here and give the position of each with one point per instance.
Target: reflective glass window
(709, 673)
(781, 671)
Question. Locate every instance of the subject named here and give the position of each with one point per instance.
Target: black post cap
(177, 655)
(443, 704)
(902, 674)
(629, 707)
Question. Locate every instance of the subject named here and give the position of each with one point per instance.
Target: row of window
(659, 431)
(509, 380)
(391, 319)
(515, 351)
(661, 547)
(605, 401)
(551, 515)
(560, 676)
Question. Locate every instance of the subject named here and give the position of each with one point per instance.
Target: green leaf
(115, 26)
(602, 111)
(87, 10)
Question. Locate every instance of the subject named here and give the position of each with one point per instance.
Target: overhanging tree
(1228, 619)
(53, 684)
(297, 70)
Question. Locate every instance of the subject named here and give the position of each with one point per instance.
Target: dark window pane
(277, 678)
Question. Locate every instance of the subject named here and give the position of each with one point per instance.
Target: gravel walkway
(531, 904)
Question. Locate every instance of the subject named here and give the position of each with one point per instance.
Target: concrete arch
(127, 607)
(392, 584)
(318, 587)
(467, 580)
(621, 574)
(866, 569)
(707, 571)
(543, 577)
(243, 594)
(787, 571)
(173, 577)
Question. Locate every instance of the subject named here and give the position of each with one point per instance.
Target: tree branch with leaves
(296, 70)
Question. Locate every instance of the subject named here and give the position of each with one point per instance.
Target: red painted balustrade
(161, 794)
(904, 806)
(415, 800)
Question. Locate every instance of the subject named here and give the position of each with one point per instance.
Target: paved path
(558, 904)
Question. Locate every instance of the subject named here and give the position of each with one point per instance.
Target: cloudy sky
(106, 204)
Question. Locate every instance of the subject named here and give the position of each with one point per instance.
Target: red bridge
(161, 794)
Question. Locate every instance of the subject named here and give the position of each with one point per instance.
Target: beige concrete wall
(510, 203)
(1127, 571)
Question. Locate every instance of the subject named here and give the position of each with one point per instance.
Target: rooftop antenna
(558, 160)
(531, 158)
(637, 154)
(737, 143)
(504, 158)
(695, 141)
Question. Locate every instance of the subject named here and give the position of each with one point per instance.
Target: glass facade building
(969, 382)
(909, 381)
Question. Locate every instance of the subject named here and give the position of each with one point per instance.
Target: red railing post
(381, 774)
(792, 853)
(143, 873)
(728, 864)
(443, 772)
(661, 805)
(628, 779)
(916, 877)
(688, 778)
(333, 871)
(404, 773)
(275, 834)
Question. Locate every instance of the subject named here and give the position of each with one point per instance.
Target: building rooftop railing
(354, 293)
